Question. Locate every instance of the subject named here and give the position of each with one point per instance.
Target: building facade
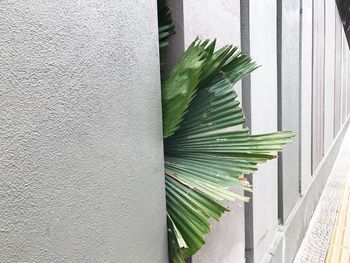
(80, 131)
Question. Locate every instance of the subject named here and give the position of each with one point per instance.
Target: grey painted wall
(289, 99)
(81, 170)
(344, 78)
(327, 108)
(263, 219)
(306, 95)
(318, 86)
(338, 75)
(177, 47)
(348, 83)
(330, 14)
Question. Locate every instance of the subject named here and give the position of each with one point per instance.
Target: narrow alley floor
(328, 235)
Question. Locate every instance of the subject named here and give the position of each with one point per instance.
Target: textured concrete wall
(80, 132)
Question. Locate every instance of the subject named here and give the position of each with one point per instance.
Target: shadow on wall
(344, 11)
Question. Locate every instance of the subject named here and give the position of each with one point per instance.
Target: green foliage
(180, 87)
(165, 28)
(207, 151)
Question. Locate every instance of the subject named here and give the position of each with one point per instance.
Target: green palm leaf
(206, 149)
(165, 28)
(180, 87)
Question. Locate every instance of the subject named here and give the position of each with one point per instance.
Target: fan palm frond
(165, 27)
(206, 149)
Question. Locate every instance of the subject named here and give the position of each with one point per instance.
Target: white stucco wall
(81, 159)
